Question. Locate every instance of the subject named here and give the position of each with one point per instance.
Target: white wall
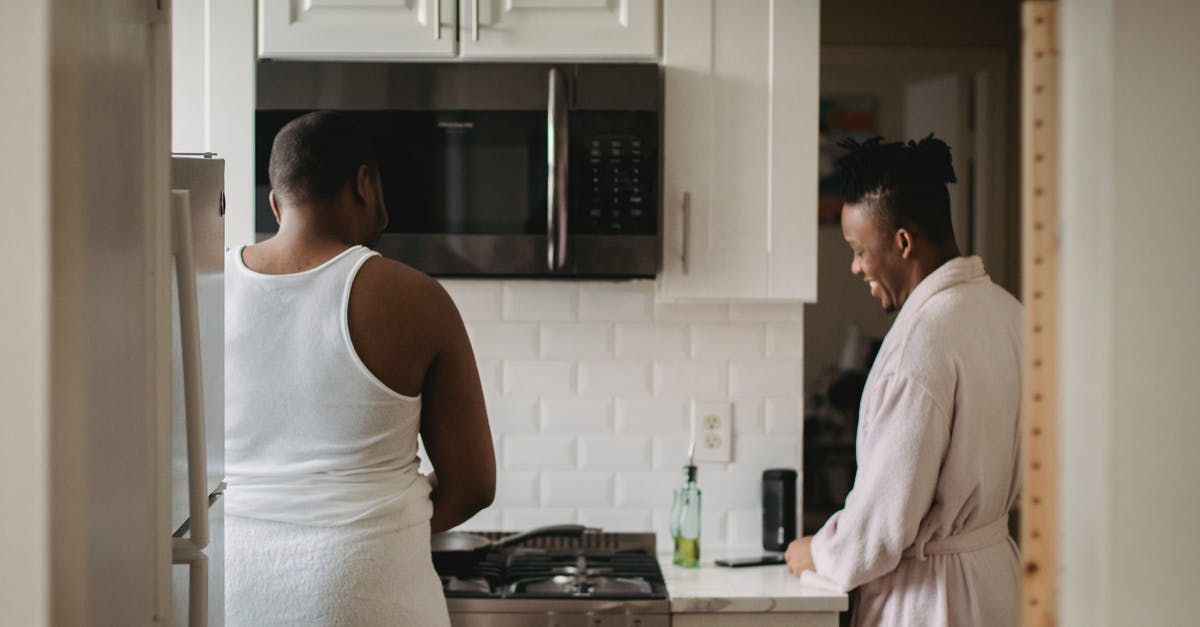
(589, 386)
(24, 314)
(1131, 312)
(213, 98)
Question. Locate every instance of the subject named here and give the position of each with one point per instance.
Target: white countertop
(710, 588)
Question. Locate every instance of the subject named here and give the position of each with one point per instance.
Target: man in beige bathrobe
(923, 535)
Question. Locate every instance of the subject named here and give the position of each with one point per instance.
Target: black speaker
(779, 508)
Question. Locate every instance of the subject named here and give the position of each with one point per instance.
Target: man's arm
(454, 424)
(408, 333)
(900, 458)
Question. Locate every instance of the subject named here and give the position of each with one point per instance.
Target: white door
(355, 29)
(941, 105)
(568, 29)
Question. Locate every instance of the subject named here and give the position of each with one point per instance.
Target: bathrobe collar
(953, 272)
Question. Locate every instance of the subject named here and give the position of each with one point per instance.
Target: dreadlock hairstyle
(902, 184)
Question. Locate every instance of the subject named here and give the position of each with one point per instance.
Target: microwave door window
(467, 173)
(443, 172)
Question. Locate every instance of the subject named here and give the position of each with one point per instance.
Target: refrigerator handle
(189, 550)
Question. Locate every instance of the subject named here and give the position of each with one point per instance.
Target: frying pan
(457, 551)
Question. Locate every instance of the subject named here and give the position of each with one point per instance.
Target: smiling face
(881, 256)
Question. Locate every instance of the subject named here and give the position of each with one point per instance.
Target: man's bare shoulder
(395, 286)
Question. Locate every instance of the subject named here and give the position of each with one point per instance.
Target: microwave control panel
(614, 186)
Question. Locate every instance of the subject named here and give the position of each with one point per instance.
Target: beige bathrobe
(924, 534)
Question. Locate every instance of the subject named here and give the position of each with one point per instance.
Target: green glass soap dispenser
(685, 516)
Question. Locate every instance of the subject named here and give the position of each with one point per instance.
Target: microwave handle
(556, 179)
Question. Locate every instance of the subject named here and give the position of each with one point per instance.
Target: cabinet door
(355, 29)
(740, 149)
(569, 29)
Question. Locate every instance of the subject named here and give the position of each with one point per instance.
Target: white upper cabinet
(740, 126)
(466, 29)
(607, 29)
(356, 29)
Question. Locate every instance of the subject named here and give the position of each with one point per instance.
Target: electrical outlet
(712, 429)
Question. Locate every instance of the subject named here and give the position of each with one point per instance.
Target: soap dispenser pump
(685, 516)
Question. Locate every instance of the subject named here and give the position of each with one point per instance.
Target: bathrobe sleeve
(901, 446)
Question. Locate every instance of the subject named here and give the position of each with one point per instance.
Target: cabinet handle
(437, 19)
(556, 175)
(475, 20)
(685, 231)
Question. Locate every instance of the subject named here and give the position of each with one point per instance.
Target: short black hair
(316, 154)
(903, 183)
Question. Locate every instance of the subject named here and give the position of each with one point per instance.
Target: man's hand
(799, 555)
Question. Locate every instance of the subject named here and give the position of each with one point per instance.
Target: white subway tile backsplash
(491, 377)
(670, 453)
(520, 519)
(647, 489)
(513, 415)
(754, 453)
(657, 340)
(785, 340)
(576, 415)
(784, 312)
(728, 341)
(614, 378)
(476, 300)
(785, 415)
(505, 340)
(577, 340)
(703, 379)
(615, 452)
(540, 452)
(589, 389)
(540, 301)
(629, 520)
(748, 416)
(734, 490)
(661, 521)
(745, 528)
(544, 378)
(766, 378)
(653, 416)
(519, 488)
(577, 489)
(691, 312)
(616, 301)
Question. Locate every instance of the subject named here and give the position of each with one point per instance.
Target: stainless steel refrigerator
(198, 394)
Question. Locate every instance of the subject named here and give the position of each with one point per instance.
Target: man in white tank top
(336, 359)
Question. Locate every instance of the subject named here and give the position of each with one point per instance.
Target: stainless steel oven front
(494, 169)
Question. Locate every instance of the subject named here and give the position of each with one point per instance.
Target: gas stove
(594, 580)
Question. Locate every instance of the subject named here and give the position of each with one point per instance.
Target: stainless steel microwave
(494, 169)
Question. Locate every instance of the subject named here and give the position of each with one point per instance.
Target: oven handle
(556, 179)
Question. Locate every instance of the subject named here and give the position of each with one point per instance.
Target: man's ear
(904, 242)
(363, 186)
(274, 206)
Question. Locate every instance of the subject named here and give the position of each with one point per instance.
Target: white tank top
(311, 435)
